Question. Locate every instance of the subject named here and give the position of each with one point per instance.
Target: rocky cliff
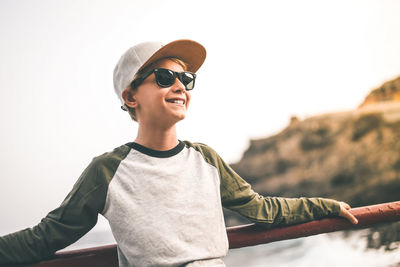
(352, 156)
(387, 92)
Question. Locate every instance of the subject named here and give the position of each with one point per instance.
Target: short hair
(132, 111)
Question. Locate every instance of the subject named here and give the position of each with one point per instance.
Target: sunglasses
(166, 78)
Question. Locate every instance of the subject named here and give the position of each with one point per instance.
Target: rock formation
(388, 92)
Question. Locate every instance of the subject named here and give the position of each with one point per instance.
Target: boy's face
(160, 105)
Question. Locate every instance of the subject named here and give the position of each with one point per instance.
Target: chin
(180, 117)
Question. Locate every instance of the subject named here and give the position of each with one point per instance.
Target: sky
(266, 61)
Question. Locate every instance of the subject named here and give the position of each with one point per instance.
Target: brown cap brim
(189, 51)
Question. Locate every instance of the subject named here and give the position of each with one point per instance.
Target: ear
(128, 96)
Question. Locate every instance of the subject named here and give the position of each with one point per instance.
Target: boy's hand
(344, 207)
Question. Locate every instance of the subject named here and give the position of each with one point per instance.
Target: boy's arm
(238, 196)
(76, 216)
(273, 211)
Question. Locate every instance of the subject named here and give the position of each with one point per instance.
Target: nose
(178, 86)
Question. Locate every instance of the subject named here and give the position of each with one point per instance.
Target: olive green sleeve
(237, 195)
(63, 226)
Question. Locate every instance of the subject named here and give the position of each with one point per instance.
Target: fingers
(346, 214)
(344, 207)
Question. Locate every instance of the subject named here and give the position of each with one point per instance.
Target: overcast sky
(266, 61)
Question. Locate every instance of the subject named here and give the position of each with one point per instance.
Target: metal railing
(242, 236)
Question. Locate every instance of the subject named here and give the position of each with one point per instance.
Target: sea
(339, 249)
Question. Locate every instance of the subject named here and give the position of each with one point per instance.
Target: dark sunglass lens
(188, 80)
(164, 77)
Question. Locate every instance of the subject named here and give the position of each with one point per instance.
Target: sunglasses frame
(135, 83)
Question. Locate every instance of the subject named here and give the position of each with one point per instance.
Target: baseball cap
(141, 55)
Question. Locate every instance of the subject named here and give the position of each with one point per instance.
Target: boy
(162, 197)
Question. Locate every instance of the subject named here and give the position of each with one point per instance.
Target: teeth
(178, 102)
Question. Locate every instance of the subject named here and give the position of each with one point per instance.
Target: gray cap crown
(129, 64)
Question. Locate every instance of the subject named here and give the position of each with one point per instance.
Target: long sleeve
(61, 227)
(238, 196)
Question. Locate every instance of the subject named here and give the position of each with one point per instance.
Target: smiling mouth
(176, 101)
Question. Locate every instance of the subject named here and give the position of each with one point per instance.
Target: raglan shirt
(164, 208)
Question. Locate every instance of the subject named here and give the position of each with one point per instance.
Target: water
(326, 250)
